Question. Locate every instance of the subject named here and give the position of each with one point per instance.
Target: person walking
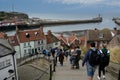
(77, 59)
(61, 57)
(104, 61)
(53, 52)
(91, 59)
(72, 58)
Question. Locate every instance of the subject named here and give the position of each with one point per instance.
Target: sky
(63, 9)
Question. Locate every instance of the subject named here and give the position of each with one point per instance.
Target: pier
(49, 23)
(63, 22)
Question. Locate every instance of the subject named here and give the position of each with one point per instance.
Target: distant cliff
(11, 15)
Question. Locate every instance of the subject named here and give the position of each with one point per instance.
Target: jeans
(90, 70)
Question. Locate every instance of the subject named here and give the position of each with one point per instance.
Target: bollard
(119, 75)
(50, 71)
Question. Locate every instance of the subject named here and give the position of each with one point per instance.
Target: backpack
(78, 51)
(104, 57)
(94, 58)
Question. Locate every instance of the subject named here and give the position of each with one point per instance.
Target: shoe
(98, 77)
(103, 76)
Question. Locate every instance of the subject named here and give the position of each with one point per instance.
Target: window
(27, 35)
(8, 62)
(25, 51)
(5, 64)
(39, 48)
(56, 43)
(100, 35)
(42, 47)
(2, 65)
(24, 44)
(29, 50)
(39, 42)
(28, 43)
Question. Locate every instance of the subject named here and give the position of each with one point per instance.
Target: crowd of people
(93, 58)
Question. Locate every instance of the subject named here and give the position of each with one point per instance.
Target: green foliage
(11, 15)
(105, 29)
(84, 50)
(115, 55)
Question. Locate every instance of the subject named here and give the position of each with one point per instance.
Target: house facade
(69, 42)
(63, 41)
(98, 36)
(73, 41)
(52, 40)
(14, 42)
(31, 42)
(115, 42)
(8, 67)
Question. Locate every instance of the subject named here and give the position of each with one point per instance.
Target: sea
(106, 23)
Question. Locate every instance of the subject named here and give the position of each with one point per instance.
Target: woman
(104, 61)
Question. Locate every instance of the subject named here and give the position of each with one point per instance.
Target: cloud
(105, 2)
(113, 3)
(77, 1)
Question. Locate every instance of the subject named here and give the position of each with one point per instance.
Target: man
(90, 63)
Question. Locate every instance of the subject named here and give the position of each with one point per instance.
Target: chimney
(61, 34)
(41, 28)
(49, 32)
(3, 35)
(17, 30)
(116, 31)
(96, 29)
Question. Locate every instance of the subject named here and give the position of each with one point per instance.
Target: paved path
(65, 73)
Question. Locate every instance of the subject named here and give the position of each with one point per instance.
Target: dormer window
(27, 35)
(100, 35)
(36, 33)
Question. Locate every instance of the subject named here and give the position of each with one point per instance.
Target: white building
(31, 41)
(8, 68)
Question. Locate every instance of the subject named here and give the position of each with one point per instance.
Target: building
(52, 40)
(73, 41)
(8, 67)
(82, 40)
(115, 42)
(63, 40)
(14, 42)
(98, 36)
(69, 42)
(31, 41)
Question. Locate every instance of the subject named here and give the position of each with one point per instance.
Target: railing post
(119, 75)
(50, 71)
(54, 65)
